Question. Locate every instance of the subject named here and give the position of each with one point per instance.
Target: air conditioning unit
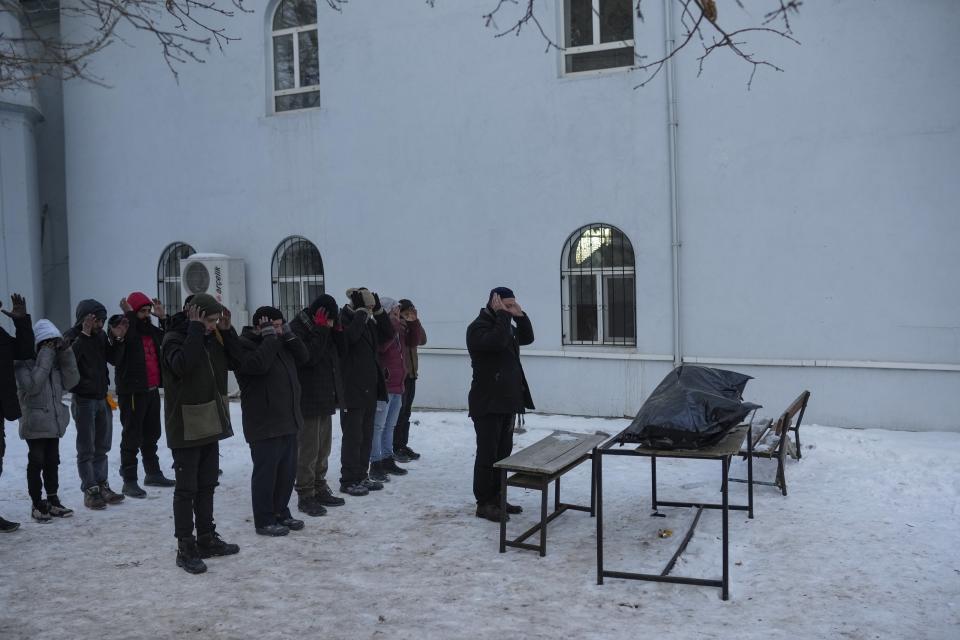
(220, 276)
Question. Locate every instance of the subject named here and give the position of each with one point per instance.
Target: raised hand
(496, 303)
(88, 322)
(158, 309)
(124, 305)
(18, 307)
(514, 308)
(225, 321)
(193, 313)
(320, 317)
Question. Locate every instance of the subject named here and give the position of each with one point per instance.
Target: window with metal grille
(295, 54)
(297, 275)
(597, 34)
(598, 290)
(168, 275)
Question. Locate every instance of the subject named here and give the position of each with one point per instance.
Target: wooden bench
(772, 440)
(537, 466)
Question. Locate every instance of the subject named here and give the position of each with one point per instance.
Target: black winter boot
(132, 489)
(158, 480)
(391, 467)
(188, 556)
(212, 545)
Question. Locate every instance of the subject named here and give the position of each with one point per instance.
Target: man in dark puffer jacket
(322, 394)
(365, 327)
(91, 413)
(270, 398)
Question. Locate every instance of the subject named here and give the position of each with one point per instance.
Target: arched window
(598, 287)
(168, 275)
(296, 65)
(297, 275)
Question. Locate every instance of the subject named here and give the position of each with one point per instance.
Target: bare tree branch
(184, 29)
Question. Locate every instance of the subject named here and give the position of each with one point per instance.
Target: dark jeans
(196, 473)
(401, 434)
(140, 417)
(3, 444)
(274, 471)
(494, 442)
(94, 422)
(356, 423)
(43, 461)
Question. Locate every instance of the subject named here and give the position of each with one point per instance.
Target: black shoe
(311, 506)
(290, 523)
(400, 456)
(391, 467)
(41, 512)
(158, 480)
(273, 530)
(410, 453)
(327, 499)
(211, 545)
(378, 474)
(109, 495)
(132, 489)
(57, 510)
(514, 508)
(354, 489)
(371, 484)
(188, 557)
(8, 527)
(490, 512)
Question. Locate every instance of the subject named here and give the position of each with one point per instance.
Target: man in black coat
(365, 326)
(322, 394)
(91, 413)
(498, 391)
(17, 347)
(139, 378)
(270, 399)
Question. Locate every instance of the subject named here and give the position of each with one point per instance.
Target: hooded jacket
(195, 365)
(499, 385)
(269, 386)
(391, 359)
(42, 383)
(363, 380)
(92, 353)
(321, 381)
(131, 362)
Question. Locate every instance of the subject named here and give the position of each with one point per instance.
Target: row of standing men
(360, 359)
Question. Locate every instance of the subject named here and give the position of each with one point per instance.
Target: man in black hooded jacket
(318, 328)
(498, 391)
(18, 347)
(366, 326)
(91, 413)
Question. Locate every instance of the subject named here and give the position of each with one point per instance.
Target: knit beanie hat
(138, 300)
(503, 292)
(86, 307)
(207, 304)
(327, 303)
(405, 304)
(388, 304)
(269, 313)
(45, 330)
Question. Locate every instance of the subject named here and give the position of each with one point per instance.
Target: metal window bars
(296, 275)
(598, 287)
(168, 275)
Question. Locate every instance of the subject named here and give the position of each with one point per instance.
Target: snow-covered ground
(865, 546)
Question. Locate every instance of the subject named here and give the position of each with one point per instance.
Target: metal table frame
(723, 451)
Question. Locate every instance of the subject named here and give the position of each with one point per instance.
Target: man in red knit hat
(138, 381)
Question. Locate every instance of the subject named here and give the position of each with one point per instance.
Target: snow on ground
(865, 546)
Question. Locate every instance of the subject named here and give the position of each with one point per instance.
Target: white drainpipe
(672, 125)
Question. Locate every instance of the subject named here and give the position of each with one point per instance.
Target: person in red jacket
(382, 464)
(138, 381)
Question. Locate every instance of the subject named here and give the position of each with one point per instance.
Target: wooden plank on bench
(553, 453)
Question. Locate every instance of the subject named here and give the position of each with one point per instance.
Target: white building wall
(444, 162)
